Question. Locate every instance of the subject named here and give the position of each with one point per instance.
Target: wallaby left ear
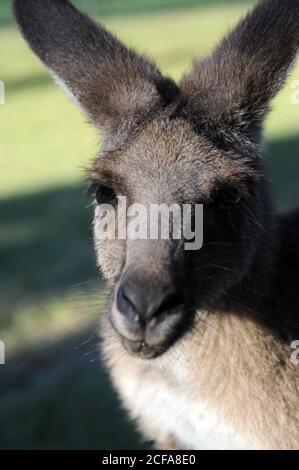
(115, 86)
(231, 89)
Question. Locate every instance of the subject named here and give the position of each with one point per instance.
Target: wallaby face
(198, 142)
(157, 167)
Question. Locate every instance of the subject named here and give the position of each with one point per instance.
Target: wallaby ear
(231, 89)
(114, 85)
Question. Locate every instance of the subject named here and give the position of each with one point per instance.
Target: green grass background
(54, 394)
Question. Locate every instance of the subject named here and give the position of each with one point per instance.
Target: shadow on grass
(59, 399)
(27, 82)
(283, 162)
(45, 242)
(120, 7)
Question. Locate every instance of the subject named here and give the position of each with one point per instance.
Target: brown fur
(232, 363)
(207, 364)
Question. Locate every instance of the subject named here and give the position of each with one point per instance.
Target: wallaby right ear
(229, 92)
(113, 84)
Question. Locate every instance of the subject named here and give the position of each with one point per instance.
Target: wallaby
(198, 343)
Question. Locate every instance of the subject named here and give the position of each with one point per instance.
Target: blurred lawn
(53, 392)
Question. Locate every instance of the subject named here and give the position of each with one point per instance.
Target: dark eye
(227, 198)
(233, 197)
(103, 194)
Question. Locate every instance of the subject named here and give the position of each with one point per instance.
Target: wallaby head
(196, 142)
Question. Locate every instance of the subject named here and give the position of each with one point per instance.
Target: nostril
(126, 306)
(172, 301)
(141, 303)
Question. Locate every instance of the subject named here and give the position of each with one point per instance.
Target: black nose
(140, 301)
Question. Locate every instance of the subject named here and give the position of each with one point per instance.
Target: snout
(147, 313)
